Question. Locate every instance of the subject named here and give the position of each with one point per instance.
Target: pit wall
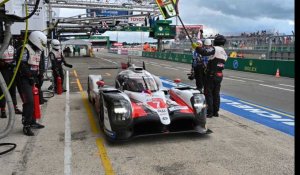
(286, 67)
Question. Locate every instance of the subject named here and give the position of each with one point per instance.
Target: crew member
(214, 77)
(41, 77)
(57, 59)
(7, 65)
(198, 67)
(27, 77)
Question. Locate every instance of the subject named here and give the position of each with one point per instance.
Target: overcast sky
(228, 17)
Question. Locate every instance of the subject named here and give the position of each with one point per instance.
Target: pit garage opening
(77, 47)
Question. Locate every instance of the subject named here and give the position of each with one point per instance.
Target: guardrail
(286, 67)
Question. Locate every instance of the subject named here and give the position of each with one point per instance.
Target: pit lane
(237, 146)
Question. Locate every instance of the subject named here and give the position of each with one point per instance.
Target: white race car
(139, 105)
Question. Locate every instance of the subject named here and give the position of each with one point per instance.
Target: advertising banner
(193, 31)
(109, 12)
(136, 20)
(167, 8)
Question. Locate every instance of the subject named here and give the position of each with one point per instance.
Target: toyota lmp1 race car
(139, 105)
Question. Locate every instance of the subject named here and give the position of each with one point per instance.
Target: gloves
(191, 76)
(195, 45)
(68, 65)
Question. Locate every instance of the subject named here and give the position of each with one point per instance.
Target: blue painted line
(266, 116)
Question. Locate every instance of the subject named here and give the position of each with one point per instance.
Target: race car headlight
(121, 111)
(198, 102)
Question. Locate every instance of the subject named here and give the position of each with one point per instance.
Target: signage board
(193, 31)
(163, 29)
(36, 22)
(108, 12)
(117, 44)
(136, 20)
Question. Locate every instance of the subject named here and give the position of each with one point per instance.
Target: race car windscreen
(140, 84)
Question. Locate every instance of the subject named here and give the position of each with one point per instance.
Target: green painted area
(286, 67)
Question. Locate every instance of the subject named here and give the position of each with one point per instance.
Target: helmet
(39, 39)
(207, 42)
(219, 40)
(55, 44)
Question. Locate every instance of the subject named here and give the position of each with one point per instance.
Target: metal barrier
(263, 66)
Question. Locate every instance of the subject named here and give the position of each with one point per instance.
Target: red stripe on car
(137, 110)
(181, 102)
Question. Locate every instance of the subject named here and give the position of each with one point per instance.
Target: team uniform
(7, 66)
(214, 78)
(28, 77)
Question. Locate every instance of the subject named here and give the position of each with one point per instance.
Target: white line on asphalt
(68, 148)
(109, 61)
(246, 78)
(171, 68)
(287, 85)
(276, 87)
(183, 68)
(234, 79)
(155, 65)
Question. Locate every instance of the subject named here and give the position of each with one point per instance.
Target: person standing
(198, 67)
(27, 76)
(57, 60)
(7, 65)
(214, 76)
(40, 76)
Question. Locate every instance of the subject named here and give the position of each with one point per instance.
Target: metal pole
(7, 37)
(185, 29)
(269, 48)
(174, 5)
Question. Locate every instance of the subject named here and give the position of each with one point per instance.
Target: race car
(139, 105)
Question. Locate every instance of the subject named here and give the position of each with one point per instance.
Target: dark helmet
(219, 40)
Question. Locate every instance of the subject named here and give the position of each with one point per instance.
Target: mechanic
(27, 78)
(214, 76)
(7, 65)
(197, 70)
(40, 79)
(57, 59)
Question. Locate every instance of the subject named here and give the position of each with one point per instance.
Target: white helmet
(39, 39)
(207, 42)
(55, 44)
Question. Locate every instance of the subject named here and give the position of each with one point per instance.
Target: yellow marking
(108, 74)
(104, 158)
(99, 142)
(75, 73)
(79, 85)
(268, 109)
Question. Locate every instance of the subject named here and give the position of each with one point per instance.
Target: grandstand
(261, 45)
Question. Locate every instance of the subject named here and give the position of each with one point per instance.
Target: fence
(263, 46)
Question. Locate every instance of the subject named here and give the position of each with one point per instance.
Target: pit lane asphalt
(237, 146)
